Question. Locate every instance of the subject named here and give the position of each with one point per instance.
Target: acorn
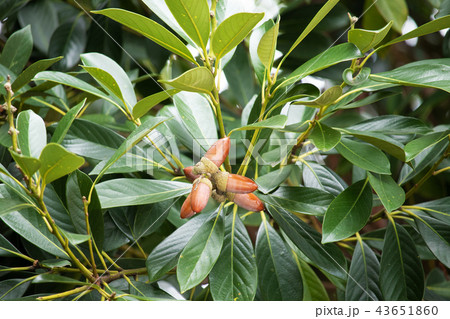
(186, 210)
(232, 183)
(200, 194)
(249, 202)
(189, 175)
(219, 151)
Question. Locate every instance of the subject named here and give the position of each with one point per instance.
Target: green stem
(10, 112)
(65, 293)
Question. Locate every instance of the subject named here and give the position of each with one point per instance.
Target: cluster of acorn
(209, 181)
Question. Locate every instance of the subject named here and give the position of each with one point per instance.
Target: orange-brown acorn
(240, 184)
(186, 210)
(189, 175)
(219, 151)
(249, 202)
(201, 192)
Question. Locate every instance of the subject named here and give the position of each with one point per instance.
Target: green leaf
(368, 39)
(232, 31)
(131, 192)
(69, 41)
(198, 80)
(234, 276)
(393, 10)
(255, 39)
(391, 124)
(362, 284)
(28, 165)
(28, 74)
(56, 279)
(268, 45)
(383, 142)
(57, 162)
(326, 98)
(33, 135)
(436, 235)
(146, 104)
(334, 55)
(401, 272)
(439, 209)
(274, 122)
(55, 263)
(327, 257)
(65, 123)
(352, 80)
(313, 289)
(428, 73)
(417, 146)
(304, 200)
(427, 28)
(115, 79)
(272, 180)
(326, 8)
(17, 50)
(391, 195)
(164, 257)
(372, 98)
(13, 289)
(347, 213)
(8, 205)
(149, 291)
(149, 29)
(324, 137)
(365, 156)
(201, 253)
(5, 244)
(149, 218)
(78, 186)
(322, 177)
(193, 17)
(278, 275)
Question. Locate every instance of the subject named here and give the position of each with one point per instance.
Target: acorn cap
(219, 151)
(218, 197)
(220, 180)
(205, 166)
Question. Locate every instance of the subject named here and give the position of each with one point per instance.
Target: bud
(219, 151)
(186, 210)
(201, 192)
(249, 202)
(189, 175)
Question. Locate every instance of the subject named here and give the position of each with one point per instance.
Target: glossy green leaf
(255, 39)
(28, 74)
(350, 79)
(348, 212)
(8, 205)
(326, 98)
(436, 235)
(368, 39)
(417, 146)
(363, 276)
(268, 45)
(130, 192)
(395, 11)
(78, 186)
(17, 50)
(120, 85)
(233, 31)
(69, 40)
(234, 276)
(427, 28)
(6, 246)
(428, 73)
(401, 272)
(372, 98)
(56, 279)
(439, 209)
(65, 123)
(57, 162)
(391, 124)
(201, 253)
(334, 55)
(149, 29)
(165, 256)
(57, 209)
(304, 200)
(274, 122)
(391, 195)
(383, 142)
(313, 289)
(327, 257)
(28, 165)
(364, 155)
(149, 291)
(33, 135)
(272, 180)
(324, 137)
(278, 275)
(198, 80)
(149, 218)
(322, 177)
(193, 16)
(55, 263)
(13, 289)
(147, 103)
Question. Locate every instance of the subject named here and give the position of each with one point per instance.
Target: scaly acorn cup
(205, 166)
(219, 151)
(189, 175)
(249, 202)
(186, 210)
(231, 183)
(201, 192)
